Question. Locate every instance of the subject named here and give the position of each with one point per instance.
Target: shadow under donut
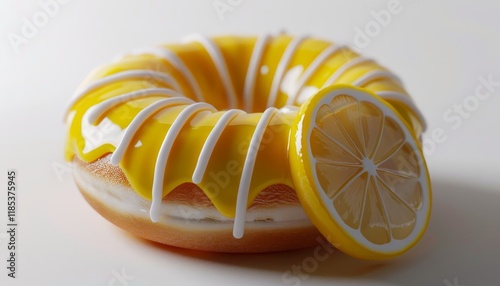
(461, 244)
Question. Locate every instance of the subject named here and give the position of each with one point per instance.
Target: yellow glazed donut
(252, 144)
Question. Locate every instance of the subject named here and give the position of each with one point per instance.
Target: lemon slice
(360, 173)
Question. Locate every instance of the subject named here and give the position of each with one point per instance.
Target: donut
(245, 144)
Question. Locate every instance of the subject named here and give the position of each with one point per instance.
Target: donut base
(205, 235)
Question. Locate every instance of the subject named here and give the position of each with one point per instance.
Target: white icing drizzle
(280, 69)
(248, 89)
(106, 132)
(107, 104)
(209, 145)
(376, 74)
(289, 109)
(305, 93)
(192, 109)
(139, 120)
(311, 69)
(176, 61)
(342, 69)
(220, 64)
(407, 101)
(164, 153)
(248, 167)
(290, 79)
(129, 74)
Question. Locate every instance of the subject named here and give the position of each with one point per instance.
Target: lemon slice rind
(317, 203)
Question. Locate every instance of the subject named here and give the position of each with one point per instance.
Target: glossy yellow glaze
(223, 172)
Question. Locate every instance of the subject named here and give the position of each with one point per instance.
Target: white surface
(439, 49)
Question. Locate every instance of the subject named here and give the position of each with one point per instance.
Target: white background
(439, 48)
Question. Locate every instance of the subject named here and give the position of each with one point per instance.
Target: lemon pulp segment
(360, 173)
